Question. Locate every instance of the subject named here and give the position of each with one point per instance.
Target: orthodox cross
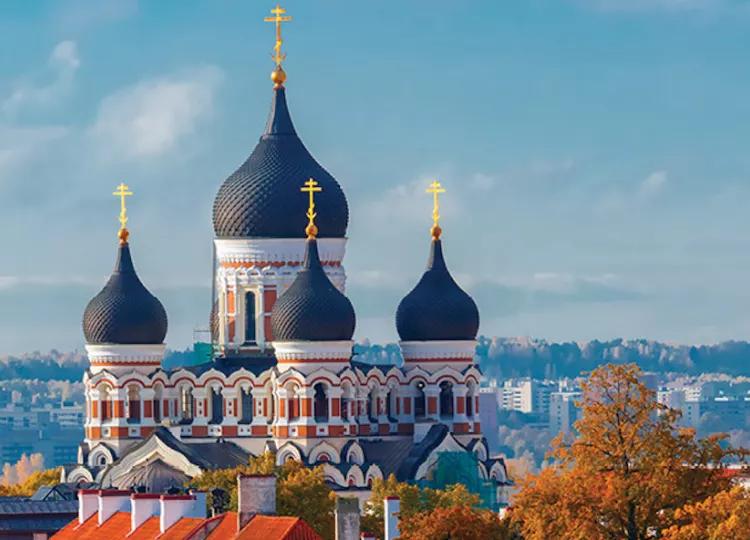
(436, 189)
(278, 18)
(311, 187)
(123, 191)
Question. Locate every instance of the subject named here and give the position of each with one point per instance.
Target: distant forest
(514, 357)
(498, 357)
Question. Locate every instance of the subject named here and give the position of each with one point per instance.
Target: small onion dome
(124, 312)
(258, 198)
(437, 308)
(312, 308)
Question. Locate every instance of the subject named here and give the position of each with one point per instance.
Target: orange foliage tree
(628, 470)
(725, 515)
(454, 523)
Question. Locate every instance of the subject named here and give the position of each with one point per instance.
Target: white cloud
(19, 145)
(153, 116)
(653, 184)
(482, 182)
(63, 62)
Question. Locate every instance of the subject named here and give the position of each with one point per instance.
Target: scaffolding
(462, 468)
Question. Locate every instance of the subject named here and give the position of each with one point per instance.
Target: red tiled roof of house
(227, 528)
(181, 529)
(277, 528)
(148, 530)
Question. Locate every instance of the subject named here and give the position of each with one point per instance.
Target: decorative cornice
(438, 350)
(110, 354)
(313, 350)
(274, 251)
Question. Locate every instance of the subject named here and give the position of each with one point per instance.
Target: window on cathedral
(446, 399)
(389, 404)
(106, 404)
(344, 407)
(293, 403)
(246, 398)
(372, 406)
(157, 404)
(250, 317)
(186, 404)
(320, 403)
(420, 402)
(217, 406)
(134, 404)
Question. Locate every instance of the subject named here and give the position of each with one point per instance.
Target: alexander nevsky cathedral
(283, 377)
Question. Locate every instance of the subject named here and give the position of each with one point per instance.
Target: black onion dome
(124, 312)
(437, 308)
(261, 198)
(312, 308)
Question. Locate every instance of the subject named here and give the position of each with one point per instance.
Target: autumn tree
(459, 522)
(300, 491)
(628, 470)
(725, 515)
(414, 500)
(34, 481)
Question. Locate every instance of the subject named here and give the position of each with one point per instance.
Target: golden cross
(436, 189)
(123, 191)
(278, 18)
(311, 187)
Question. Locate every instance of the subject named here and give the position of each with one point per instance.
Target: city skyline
(593, 154)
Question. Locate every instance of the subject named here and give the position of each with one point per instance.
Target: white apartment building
(563, 411)
(526, 395)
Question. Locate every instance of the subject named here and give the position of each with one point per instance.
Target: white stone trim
(101, 354)
(280, 250)
(415, 350)
(313, 350)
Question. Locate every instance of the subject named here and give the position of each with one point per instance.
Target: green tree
(300, 491)
(413, 501)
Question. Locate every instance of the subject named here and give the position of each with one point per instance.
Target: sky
(595, 155)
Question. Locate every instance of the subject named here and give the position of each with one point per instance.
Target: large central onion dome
(437, 308)
(261, 198)
(124, 312)
(312, 308)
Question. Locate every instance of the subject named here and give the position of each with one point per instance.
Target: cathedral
(283, 377)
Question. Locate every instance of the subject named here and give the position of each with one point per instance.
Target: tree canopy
(626, 473)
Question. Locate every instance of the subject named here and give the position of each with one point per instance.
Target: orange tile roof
(226, 529)
(117, 526)
(277, 528)
(148, 530)
(180, 530)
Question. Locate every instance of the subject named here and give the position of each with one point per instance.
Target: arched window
(320, 403)
(246, 397)
(186, 404)
(389, 404)
(345, 402)
(134, 404)
(293, 402)
(419, 402)
(446, 399)
(372, 406)
(105, 403)
(157, 403)
(271, 397)
(217, 406)
(250, 317)
(470, 400)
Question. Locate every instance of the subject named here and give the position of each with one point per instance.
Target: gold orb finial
(311, 187)
(435, 189)
(123, 191)
(278, 76)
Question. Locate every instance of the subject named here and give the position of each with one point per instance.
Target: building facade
(283, 377)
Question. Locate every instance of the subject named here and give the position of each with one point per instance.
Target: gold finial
(311, 187)
(278, 76)
(123, 191)
(436, 189)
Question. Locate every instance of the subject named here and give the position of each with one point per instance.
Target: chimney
(347, 518)
(172, 508)
(112, 501)
(88, 503)
(142, 507)
(256, 494)
(392, 509)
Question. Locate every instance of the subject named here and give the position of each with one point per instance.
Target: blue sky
(595, 154)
